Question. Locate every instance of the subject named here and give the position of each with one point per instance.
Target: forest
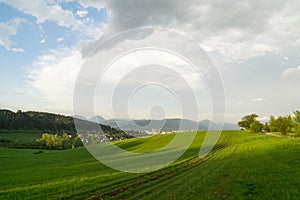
(45, 122)
(51, 131)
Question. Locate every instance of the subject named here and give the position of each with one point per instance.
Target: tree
(273, 124)
(77, 141)
(256, 127)
(51, 141)
(266, 127)
(247, 121)
(296, 117)
(50, 123)
(66, 141)
(297, 130)
(281, 124)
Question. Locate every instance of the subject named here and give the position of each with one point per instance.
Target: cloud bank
(237, 31)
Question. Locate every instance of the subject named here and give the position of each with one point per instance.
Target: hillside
(241, 166)
(44, 122)
(22, 129)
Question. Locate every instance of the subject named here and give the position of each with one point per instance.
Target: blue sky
(255, 46)
(26, 40)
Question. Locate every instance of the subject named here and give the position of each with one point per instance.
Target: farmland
(242, 166)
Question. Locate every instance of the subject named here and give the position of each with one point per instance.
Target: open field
(19, 138)
(242, 166)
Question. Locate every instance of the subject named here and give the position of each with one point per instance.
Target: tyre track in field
(147, 180)
(216, 153)
(184, 174)
(165, 174)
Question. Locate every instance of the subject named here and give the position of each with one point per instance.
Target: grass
(19, 138)
(242, 166)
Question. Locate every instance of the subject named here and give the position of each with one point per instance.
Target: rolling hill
(46, 122)
(241, 166)
(22, 129)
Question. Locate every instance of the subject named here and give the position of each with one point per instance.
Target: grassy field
(19, 138)
(242, 166)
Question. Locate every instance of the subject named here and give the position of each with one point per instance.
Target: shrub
(256, 127)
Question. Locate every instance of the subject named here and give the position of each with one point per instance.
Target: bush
(247, 121)
(281, 124)
(55, 141)
(256, 127)
(266, 127)
(297, 131)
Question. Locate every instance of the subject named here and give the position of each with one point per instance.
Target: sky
(253, 45)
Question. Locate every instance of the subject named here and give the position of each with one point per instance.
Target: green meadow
(241, 166)
(19, 139)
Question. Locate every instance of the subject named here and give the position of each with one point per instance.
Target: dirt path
(275, 135)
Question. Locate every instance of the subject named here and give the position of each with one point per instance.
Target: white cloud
(53, 75)
(60, 39)
(43, 41)
(292, 73)
(52, 11)
(166, 69)
(44, 11)
(263, 119)
(18, 50)
(81, 13)
(257, 99)
(93, 3)
(237, 29)
(9, 29)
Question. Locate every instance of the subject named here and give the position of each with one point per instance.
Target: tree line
(282, 124)
(45, 122)
(65, 141)
(59, 131)
(55, 141)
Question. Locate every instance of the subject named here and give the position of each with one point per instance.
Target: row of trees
(64, 134)
(46, 122)
(55, 141)
(65, 141)
(282, 124)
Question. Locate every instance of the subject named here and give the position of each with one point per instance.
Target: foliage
(297, 130)
(273, 124)
(296, 117)
(256, 127)
(45, 122)
(247, 121)
(281, 124)
(56, 141)
(266, 127)
(36, 121)
(40, 122)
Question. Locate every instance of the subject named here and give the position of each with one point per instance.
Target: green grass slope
(242, 166)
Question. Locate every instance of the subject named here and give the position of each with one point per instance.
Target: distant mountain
(229, 126)
(79, 117)
(149, 125)
(97, 119)
(165, 124)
